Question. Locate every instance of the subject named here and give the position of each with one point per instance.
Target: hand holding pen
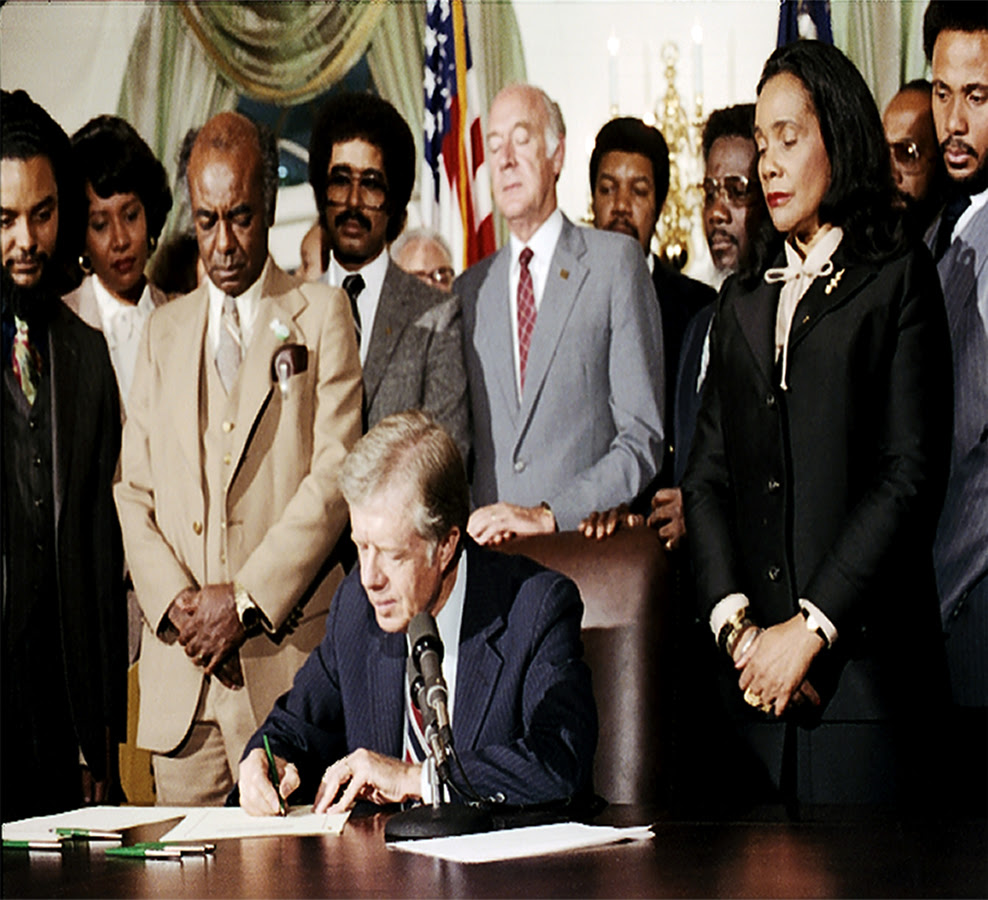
(275, 777)
(266, 781)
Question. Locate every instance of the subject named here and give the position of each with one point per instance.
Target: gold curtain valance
(283, 52)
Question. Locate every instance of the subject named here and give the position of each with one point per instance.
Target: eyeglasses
(906, 155)
(736, 190)
(444, 275)
(372, 191)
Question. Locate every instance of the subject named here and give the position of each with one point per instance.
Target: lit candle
(697, 34)
(647, 66)
(613, 46)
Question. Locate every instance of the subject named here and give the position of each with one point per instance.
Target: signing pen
(273, 775)
(196, 849)
(32, 845)
(88, 834)
(144, 853)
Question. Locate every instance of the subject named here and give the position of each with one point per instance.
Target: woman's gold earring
(86, 264)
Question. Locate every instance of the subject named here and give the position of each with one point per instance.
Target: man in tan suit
(246, 398)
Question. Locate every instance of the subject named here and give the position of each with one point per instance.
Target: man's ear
(447, 547)
(559, 157)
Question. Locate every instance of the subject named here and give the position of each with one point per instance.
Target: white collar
(543, 242)
(449, 621)
(248, 303)
(111, 308)
(977, 202)
(369, 299)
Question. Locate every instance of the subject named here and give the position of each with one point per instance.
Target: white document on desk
(98, 818)
(219, 822)
(515, 843)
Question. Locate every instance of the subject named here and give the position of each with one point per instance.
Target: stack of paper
(514, 843)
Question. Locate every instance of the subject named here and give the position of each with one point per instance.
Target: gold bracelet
(732, 628)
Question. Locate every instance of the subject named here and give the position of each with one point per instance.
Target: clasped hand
(774, 665)
(361, 775)
(210, 630)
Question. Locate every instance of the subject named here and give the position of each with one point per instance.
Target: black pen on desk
(88, 834)
(273, 775)
(32, 845)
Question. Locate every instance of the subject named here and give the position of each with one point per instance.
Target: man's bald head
(232, 132)
(232, 169)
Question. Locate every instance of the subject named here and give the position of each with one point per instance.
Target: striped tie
(416, 743)
(526, 312)
(229, 351)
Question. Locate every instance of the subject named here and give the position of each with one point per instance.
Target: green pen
(273, 775)
(32, 845)
(88, 834)
(144, 853)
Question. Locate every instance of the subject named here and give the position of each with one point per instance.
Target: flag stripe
(456, 193)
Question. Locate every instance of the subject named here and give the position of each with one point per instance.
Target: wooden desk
(686, 859)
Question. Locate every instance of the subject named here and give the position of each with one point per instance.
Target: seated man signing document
(523, 718)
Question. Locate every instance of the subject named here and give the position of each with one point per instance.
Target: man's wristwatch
(247, 611)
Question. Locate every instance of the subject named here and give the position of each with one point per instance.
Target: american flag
(456, 195)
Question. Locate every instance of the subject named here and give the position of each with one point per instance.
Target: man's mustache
(720, 233)
(354, 214)
(955, 143)
(32, 257)
(624, 222)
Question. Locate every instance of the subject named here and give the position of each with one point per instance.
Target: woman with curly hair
(128, 200)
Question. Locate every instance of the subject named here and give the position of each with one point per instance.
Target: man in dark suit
(362, 168)
(64, 609)
(629, 180)
(733, 212)
(563, 341)
(955, 37)
(523, 717)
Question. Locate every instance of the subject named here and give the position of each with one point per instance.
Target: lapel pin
(833, 282)
(806, 318)
(564, 274)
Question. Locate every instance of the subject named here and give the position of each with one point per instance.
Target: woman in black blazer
(820, 458)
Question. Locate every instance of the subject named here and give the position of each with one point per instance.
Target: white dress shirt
(448, 623)
(122, 325)
(369, 298)
(248, 304)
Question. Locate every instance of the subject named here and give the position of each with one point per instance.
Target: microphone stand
(440, 818)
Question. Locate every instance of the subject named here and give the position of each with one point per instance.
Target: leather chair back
(626, 585)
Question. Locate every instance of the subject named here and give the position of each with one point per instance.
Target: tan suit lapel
(279, 300)
(182, 364)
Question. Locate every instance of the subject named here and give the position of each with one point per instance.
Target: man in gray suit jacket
(955, 37)
(362, 168)
(563, 343)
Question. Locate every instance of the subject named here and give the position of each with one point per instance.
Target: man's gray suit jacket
(588, 431)
(415, 356)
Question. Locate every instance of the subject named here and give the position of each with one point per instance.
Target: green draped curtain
(170, 85)
(191, 60)
(884, 40)
(283, 52)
